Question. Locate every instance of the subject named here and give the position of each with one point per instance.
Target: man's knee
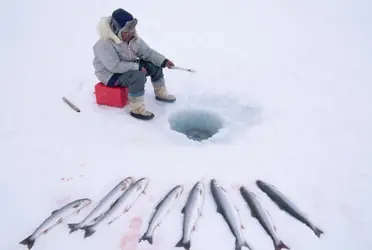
(153, 71)
(137, 78)
(134, 80)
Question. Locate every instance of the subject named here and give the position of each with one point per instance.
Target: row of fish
(118, 201)
(193, 210)
(121, 198)
(231, 214)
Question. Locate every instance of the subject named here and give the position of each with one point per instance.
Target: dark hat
(120, 19)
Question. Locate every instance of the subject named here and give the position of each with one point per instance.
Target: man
(122, 58)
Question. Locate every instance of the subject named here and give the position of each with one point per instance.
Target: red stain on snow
(129, 241)
(63, 201)
(235, 186)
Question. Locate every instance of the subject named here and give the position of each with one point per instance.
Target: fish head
(126, 182)
(83, 203)
(215, 183)
(143, 182)
(179, 190)
(260, 184)
(243, 190)
(199, 186)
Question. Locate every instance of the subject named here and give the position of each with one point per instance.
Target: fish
(161, 211)
(286, 205)
(229, 212)
(120, 206)
(103, 205)
(263, 217)
(55, 218)
(191, 211)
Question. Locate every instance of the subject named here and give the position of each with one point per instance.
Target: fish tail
(185, 245)
(29, 241)
(238, 245)
(318, 232)
(89, 230)
(146, 237)
(280, 245)
(73, 227)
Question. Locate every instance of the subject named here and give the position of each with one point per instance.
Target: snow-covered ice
(290, 79)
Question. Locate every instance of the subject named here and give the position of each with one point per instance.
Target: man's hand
(169, 64)
(144, 70)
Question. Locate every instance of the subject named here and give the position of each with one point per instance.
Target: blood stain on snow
(63, 201)
(129, 241)
(235, 186)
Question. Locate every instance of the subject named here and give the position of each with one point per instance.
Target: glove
(141, 66)
(167, 63)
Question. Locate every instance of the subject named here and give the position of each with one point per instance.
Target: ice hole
(197, 125)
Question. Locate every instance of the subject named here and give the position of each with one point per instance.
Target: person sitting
(122, 58)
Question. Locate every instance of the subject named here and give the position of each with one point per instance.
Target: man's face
(127, 36)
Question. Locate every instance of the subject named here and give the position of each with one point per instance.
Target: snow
(290, 78)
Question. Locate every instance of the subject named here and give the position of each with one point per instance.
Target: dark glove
(141, 66)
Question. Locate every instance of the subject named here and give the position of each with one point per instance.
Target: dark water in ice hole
(197, 125)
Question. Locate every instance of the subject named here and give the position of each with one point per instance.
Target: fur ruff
(105, 31)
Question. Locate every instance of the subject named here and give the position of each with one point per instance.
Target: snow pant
(135, 80)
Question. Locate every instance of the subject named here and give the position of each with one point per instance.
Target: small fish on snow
(286, 205)
(263, 217)
(56, 217)
(192, 211)
(230, 213)
(161, 211)
(121, 206)
(103, 205)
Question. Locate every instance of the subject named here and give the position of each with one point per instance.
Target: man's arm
(148, 54)
(107, 54)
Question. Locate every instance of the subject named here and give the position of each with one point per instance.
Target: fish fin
(219, 210)
(127, 208)
(73, 227)
(280, 245)
(113, 204)
(146, 237)
(98, 217)
(89, 230)
(253, 214)
(75, 206)
(144, 190)
(59, 220)
(186, 245)
(200, 212)
(29, 241)
(114, 219)
(237, 209)
(248, 246)
(183, 210)
(318, 232)
(237, 245)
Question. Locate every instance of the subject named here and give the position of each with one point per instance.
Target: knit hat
(122, 21)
